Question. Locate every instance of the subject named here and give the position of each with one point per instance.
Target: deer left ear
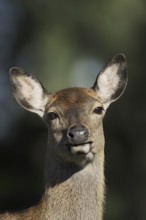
(111, 80)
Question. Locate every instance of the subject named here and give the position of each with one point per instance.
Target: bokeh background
(65, 43)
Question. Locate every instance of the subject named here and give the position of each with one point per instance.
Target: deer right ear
(112, 79)
(28, 91)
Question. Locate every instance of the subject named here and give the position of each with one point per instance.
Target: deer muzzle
(78, 135)
(78, 139)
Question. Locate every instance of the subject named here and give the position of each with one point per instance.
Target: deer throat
(81, 195)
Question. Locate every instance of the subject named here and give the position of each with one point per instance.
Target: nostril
(70, 134)
(85, 132)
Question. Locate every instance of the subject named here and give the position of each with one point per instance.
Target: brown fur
(74, 182)
(71, 188)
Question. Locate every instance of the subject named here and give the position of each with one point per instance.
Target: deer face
(73, 116)
(74, 120)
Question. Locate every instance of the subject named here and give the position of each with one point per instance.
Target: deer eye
(98, 110)
(51, 116)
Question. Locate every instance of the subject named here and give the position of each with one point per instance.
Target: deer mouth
(80, 149)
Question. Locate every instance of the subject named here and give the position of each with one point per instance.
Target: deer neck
(74, 191)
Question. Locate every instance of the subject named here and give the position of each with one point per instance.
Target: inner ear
(28, 91)
(112, 79)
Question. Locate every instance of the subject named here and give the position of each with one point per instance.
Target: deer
(74, 167)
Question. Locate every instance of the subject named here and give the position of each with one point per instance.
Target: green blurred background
(65, 43)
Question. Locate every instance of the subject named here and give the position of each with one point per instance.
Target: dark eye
(98, 110)
(51, 116)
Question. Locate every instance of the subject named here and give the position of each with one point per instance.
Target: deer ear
(28, 91)
(111, 80)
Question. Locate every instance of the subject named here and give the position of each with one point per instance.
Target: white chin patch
(80, 149)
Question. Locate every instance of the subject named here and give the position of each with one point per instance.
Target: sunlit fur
(74, 173)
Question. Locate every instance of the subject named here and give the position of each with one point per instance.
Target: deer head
(74, 115)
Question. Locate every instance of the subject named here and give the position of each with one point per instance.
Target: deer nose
(78, 134)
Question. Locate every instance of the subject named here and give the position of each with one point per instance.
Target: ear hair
(111, 80)
(28, 91)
